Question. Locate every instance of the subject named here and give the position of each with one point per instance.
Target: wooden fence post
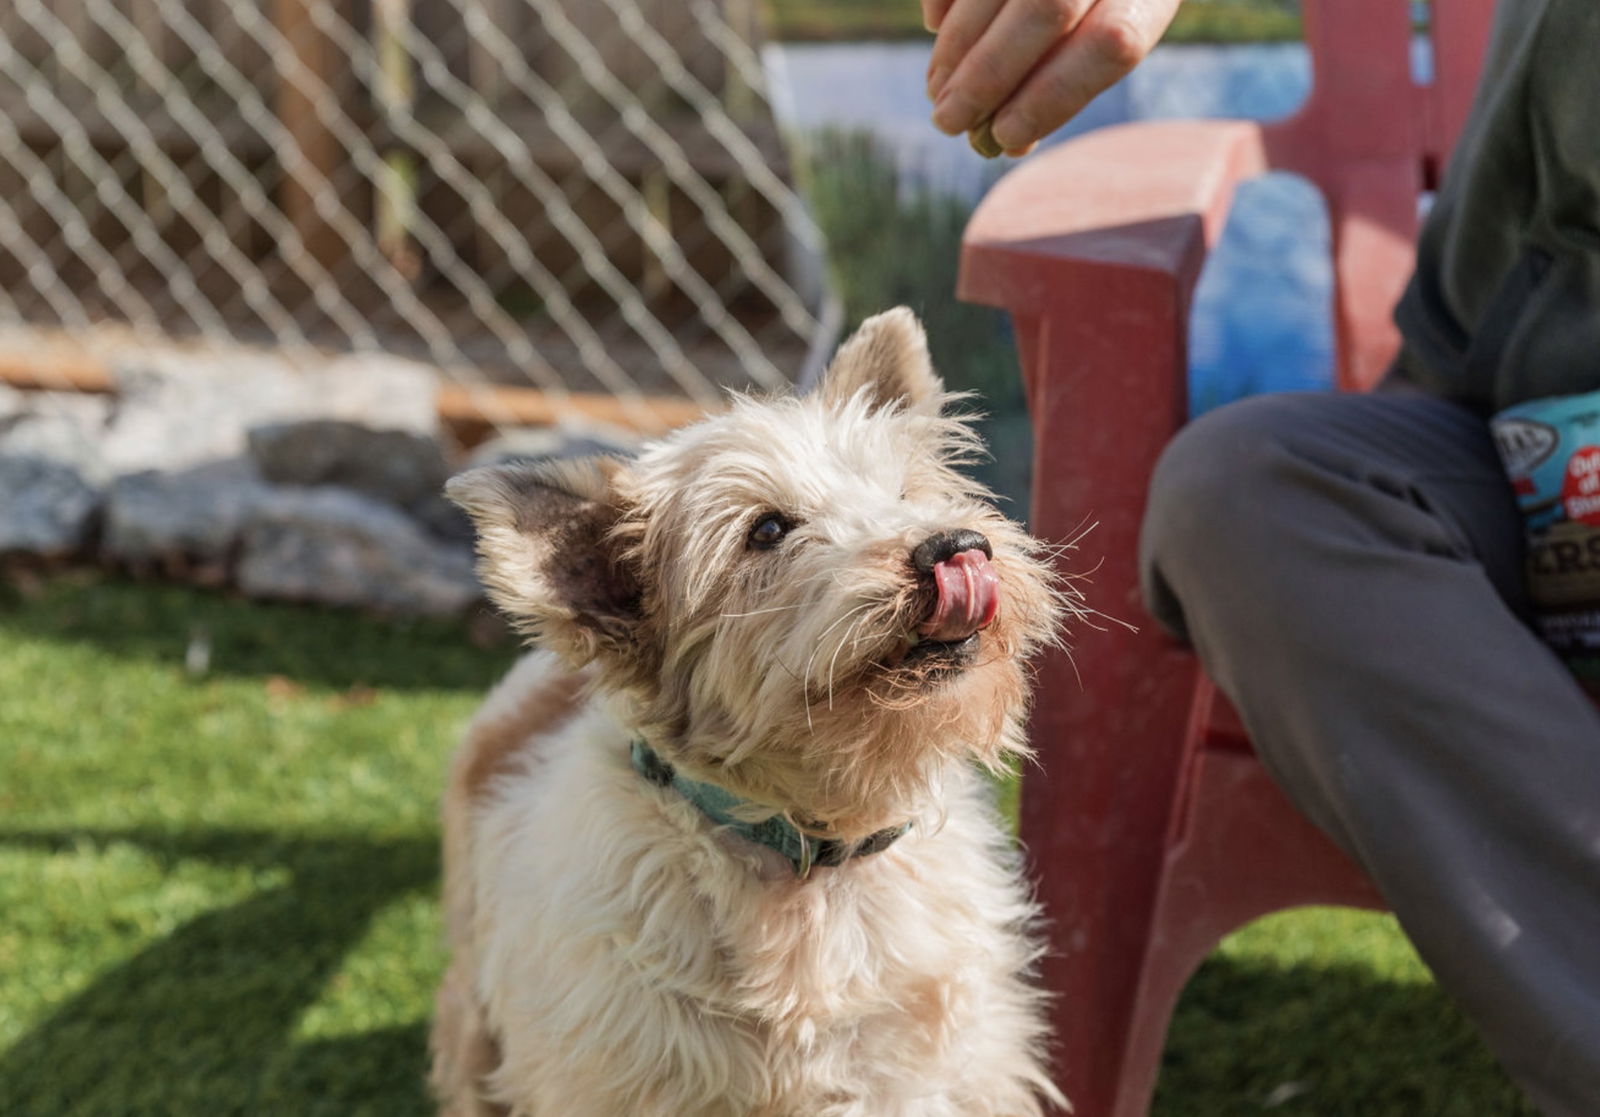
(297, 110)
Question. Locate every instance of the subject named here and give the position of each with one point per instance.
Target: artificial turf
(218, 887)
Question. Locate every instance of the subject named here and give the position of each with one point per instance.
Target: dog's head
(801, 599)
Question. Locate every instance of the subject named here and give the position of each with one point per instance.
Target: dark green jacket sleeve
(1505, 302)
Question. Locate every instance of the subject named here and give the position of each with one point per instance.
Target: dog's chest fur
(606, 908)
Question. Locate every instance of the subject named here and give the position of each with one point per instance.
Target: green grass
(1198, 21)
(1333, 1008)
(219, 893)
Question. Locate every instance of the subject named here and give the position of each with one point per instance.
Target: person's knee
(1211, 480)
(1210, 494)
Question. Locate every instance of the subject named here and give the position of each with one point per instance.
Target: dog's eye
(768, 532)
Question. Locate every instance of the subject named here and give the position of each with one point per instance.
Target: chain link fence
(575, 199)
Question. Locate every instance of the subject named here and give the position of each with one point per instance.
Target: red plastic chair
(1153, 827)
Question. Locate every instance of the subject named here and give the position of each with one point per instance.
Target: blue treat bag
(1551, 452)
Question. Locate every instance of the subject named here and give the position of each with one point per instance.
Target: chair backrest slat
(1361, 92)
(1372, 140)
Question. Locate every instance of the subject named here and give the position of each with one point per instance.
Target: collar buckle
(803, 868)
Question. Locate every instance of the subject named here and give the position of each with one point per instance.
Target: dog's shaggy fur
(617, 955)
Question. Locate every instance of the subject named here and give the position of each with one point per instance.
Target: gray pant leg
(1349, 570)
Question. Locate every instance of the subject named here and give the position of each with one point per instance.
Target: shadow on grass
(337, 648)
(1325, 1041)
(201, 1021)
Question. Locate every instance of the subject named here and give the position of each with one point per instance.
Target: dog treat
(983, 142)
(1551, 452)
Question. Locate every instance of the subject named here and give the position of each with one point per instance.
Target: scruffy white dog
(722, 848)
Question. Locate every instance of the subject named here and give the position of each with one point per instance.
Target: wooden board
(473, 414)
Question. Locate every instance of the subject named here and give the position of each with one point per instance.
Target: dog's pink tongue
(969, 597)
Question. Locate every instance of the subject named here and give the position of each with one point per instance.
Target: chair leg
(1116, 993)
(1097, 997)
(1246, 853)
(1165, 973)
(1096, 840)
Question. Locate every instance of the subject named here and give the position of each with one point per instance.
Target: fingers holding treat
(995, 61)
(1009, 72)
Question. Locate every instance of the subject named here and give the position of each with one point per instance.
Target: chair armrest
(1150, 197)
(1094, 248)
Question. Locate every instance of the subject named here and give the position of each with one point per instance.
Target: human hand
(1029, 66)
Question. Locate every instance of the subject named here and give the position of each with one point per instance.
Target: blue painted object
(1261, 319)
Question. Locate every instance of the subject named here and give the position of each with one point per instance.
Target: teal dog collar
(776, 833)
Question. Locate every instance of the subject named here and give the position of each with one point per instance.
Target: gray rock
(377, 390)
(46, 507)
(532, 444)
(51, 470)
(61, 427)
(178, 410)
(88, 409)
(180, 413)
(340, 548)
(522, 444)
(194, 515)
(400, 467)
(444, 520)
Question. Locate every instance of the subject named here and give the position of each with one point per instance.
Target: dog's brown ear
(548, 554)
(887, 356)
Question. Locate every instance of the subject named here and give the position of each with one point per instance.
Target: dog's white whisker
(817, 650)
(1071, 659)
(760, 612)
(832, 663)
(823, 635)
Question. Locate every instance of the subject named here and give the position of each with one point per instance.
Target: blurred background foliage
(895, 244)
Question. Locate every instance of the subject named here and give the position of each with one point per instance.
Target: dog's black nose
(944, 545)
